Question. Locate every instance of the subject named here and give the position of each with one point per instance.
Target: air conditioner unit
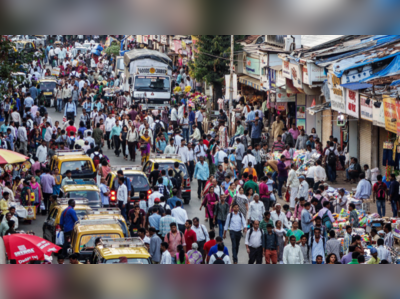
(288, 43)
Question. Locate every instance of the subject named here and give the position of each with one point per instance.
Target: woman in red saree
(206, 190)
(209, 202)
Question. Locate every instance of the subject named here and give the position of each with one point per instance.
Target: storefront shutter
(365, 143)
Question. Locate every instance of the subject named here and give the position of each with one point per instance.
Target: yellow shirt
(374, 261)
(3, 206)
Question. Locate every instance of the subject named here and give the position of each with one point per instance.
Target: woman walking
(145, 146)
(209, 202)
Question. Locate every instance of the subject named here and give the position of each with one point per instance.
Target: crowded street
(199, 149)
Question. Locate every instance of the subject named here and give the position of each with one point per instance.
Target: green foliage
(112, 50)
(212, 61)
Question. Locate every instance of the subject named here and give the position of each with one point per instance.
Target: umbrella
(10, 157)
(25, 248)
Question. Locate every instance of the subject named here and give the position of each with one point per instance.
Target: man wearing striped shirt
(278, 145)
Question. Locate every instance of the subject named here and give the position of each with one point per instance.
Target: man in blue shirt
(70, 110)
(174, 199)
(214, 249)
(67, 223)
(29, 102)
(33, 92)
(17, 102)
(192, 118)
(201, 173)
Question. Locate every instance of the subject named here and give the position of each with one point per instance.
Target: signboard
(352, 105)
(264, 81)
(151, 70)
(366, 110)
(336, 93)
(316, 73)
(228, 86)
(55, 71)
(146, 39)
(252, 66)
(164, 39)
(139, 38)
(305, 75)
(301, 124)
(282, 97)
(301, 112)
(286, 69)
(389, 106)
(297, 76)
(263, 61)
(281, 106)
(280, 79)
(378, 115)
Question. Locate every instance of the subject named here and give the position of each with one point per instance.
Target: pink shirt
(295, 133)
(263, 190)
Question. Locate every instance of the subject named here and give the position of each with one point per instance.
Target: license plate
(136, 194)
(47, 93)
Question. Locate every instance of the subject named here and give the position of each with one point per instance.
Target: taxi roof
(78, 187)
(71, 158)
(104, 216)
(129, 172)
(128, 252)
(99, 228)
(77, 207)
(168, 160)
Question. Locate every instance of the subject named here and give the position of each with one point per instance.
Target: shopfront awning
(276, 67)
(319, 108)
(251, 82)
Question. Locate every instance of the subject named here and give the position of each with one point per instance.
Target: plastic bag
(42, 206)
(60, 238)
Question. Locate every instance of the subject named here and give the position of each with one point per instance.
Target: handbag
(287, 196)
(60, 238)
(143, 146)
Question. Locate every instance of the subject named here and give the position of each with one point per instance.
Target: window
(130, 261)
(92, 196)
(138, 181)
(87, 241)
(147, 168)
(76, 167)
(147, 83)
(167, 166)
(47, 85)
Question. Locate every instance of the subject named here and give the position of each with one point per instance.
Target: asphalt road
(192, 209)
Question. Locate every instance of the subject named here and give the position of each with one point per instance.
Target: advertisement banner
(139, 39)
(146, 39)
(164, 39)
(297, 76)
(336, 93)
(316, 74)
(301, 124)
(263, 61)
(378, 114)
(282, 97)
(352, 105)
(281, 106)
(366, 110)
(280, 79)
(389, 107)
(228, 86)
(301, 112)
(306, 78)
(252, 66)
(286, 69)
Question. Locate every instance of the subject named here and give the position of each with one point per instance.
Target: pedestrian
(201, 173)
(293, 184)
(173, 239)
(235, 223)
(155, 246)
(277, 128)
(331, 158)
(194, 255)
(165, 255)
(317, 245)
(292, 253)
(256, 210)
(304, 250)
(383, 253)
(282, 174)
(220, 257)
(47, 181)
(122, 197)
(253, 243)
(180, 215)
(379, 195)
(67, 223)
(190, 235)
(389, 241)
(220, 215)
(306, 219)
(201, 234)
(333, 245)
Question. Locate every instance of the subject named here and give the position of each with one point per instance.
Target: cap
(373, 250)
(302, 177)
(157, 200)
(278, 204)
(326, 185)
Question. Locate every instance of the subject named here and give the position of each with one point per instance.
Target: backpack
(331, 158)
(327, 221)
(312, 241)
(318, 207)
(96, 160)
(380, 193)
(179, 233)
(178, 178)
(230, 219)
(219, 260)
(251, 231)
(157, 128)
(289, 140)
(42, 111)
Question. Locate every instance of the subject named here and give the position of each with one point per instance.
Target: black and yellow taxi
(166, 162)
(136, 177)
(122, 251)
(107, 213)
(52, 224)
(80, 165)
(24, 46)
(86, 188)
(85, 233)
(47, 86)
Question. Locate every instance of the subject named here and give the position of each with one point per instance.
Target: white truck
(148, 74)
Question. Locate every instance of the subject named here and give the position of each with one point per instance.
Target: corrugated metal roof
(319, 108)
(276, 67)
(311, 41)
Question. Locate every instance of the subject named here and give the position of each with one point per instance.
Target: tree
(212, 60)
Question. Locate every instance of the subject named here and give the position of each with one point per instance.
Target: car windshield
(90, 195)
(80, 213)
(153, 83)
(76, 167)
(167, 166)
(44, 86)
(138, 181)
(128, 261)
(87, 241)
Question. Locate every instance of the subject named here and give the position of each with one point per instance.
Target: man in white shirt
(256, 209)
(249, 158)
(235, 223)
(199, 120)
(253, 243)
(220, 255)
(293, 183)
(180, 111)
(196, 136)
(200, 149)
(23, 138)
(182, 151)
(319, 175)
(122, 197)
(109, 124)
(201, 234)
(383, 253)
(41, 152)
(170, 148)
(303, 188)
(278, 215)
(165, 256)
(292, 254)
(153, 196)
(180, 215)
(217, 189)
(220, 155)
(174, 116)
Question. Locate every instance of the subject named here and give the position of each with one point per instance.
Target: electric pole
(231, 76)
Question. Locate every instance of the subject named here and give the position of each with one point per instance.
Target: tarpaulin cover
(342, 64)
(395, 83)
(392, 69)
(356, 86)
